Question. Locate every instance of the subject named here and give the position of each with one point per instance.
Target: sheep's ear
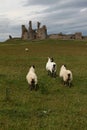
(33, 66)
(64, 65)
(52, 59)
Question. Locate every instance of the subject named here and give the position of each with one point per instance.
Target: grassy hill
(53, 106)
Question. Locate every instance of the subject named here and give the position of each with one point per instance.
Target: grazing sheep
(66, 75)
(26, 49)
(51, 67)
(31, 78)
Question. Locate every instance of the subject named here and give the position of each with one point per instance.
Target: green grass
(53, 106)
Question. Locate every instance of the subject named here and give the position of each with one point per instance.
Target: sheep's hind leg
(65, 84)
(48, 72)
(54, 75)
(36, 87)
(69, 84)
(31, 87)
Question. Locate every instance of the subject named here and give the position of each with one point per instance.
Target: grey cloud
(59, 16)
(39, 2)
(4, 23)
(7, 29)
(59, 3)
(65, 11)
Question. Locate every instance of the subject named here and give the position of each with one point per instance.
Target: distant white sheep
(51, 67)
(66, 76)
(26, 49)
(31, 78)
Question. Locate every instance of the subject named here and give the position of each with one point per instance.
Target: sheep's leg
(31, 87)
(69, 84)
(65, 83)
(36, 86)
(48, 72)
(54, 75)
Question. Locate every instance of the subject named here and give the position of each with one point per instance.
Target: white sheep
(26, 49)
(31, 78)
(66, 75)
(51, 67)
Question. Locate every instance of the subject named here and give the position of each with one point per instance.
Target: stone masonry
(31, 34)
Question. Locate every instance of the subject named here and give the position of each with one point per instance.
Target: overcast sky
(66, 16)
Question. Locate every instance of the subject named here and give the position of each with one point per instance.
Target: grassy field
(53, 106)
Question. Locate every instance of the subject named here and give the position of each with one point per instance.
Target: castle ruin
(40, 33)
(31, 34)
(77, 35)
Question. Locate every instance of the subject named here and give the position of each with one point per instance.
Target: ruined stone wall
(42, 33)
(24, 35)
(30, 34)
(85, 38)
(53, 36)
(78, 35)
(58, 36)
(66, 37)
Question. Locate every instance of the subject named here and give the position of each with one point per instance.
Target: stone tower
(38, 25)
(31, 34)
(41, 31)
(24, 33)
(78, 35)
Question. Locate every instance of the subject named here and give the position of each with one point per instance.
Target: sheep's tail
(32, 84)
(69, 80)
(68, 77)
(54, 68)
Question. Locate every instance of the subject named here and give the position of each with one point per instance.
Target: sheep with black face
(66, 75)
(31, 78)
(51, 67)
